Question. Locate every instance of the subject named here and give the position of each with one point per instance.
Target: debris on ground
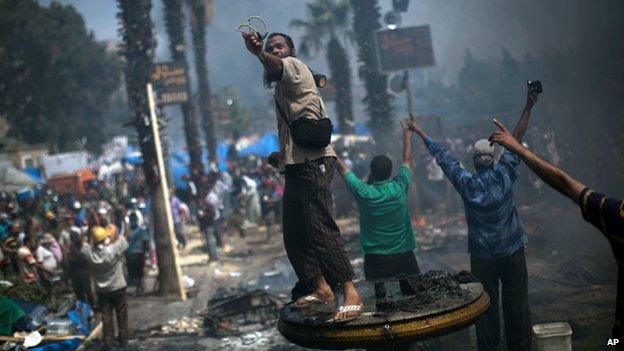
(240, 313)
(179, 326)
(438, 234)
(579, 272)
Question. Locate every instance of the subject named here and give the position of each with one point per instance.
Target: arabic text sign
(404, 48)
(171, 83)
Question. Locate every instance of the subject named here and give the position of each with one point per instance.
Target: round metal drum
(309, 326)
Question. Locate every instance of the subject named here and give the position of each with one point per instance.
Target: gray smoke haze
(483, 26)
(583, 96)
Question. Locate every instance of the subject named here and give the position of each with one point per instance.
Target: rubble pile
(268, 339)
(422, 290)
(240, 313)
(184, 326)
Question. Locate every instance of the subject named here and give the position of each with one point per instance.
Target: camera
(535, 86)
(319, 79)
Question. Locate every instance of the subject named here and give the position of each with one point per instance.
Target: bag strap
(281, 112)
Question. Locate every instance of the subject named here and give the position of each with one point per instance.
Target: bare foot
(352, 298)
(323, 294)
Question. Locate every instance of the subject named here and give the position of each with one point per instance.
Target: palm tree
(327, 20)
(174, 22)
(138, 50)
(198, 12)
(365, 23)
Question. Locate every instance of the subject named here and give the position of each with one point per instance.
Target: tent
(262, 147)
(12, 179)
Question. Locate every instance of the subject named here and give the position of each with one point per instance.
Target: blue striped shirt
(494, 228)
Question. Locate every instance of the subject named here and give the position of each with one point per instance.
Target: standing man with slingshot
(311, 236)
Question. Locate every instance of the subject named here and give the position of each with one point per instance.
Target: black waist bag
(307, 132)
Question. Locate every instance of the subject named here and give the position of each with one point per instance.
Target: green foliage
(174, 21)
(56, 80)
(197, 9)
(138, 46)
(327, 20)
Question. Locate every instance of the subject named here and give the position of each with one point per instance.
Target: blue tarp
(180, 161)
(263, 147)
(66, 345)
(359, 129)
(35, 174)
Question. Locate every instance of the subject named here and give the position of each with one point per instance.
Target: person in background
(49, 265)
(78, 269)
(209, 216)
(26, 262)
(178, 219)
(138, 246)
(105, 257)
(604, 213)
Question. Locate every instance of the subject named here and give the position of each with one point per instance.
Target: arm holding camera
(522, 124)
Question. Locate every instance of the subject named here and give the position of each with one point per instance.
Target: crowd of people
(497, 237)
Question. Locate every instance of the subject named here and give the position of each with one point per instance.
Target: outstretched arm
(549, 173)
(342, 168)
(407, 141)
(271, 63)
(523, 123)
(459, 177)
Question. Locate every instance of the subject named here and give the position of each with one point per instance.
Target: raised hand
(252, 43)
(531, 98)
(411, 124)
(504, 138)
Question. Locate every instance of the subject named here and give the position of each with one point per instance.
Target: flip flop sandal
(347, 308)
(309, 300)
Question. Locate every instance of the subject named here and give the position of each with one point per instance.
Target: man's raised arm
(271, 63)
(522, 124)
(549, 173)
(407, 141)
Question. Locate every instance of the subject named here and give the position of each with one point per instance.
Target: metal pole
(408, 92)
(414, 185)
(165, 191)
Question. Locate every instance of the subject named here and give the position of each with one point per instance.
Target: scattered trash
(188, 282)
(264, 340)
(179, 326)
(239, 313)
(60, 326)
(32, 339)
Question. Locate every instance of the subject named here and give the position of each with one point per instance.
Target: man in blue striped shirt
(496, 236)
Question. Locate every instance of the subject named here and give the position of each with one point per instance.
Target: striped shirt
(607, 214)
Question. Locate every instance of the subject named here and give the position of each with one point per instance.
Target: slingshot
(253, 27)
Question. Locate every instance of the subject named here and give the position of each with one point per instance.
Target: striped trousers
(311, 236)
